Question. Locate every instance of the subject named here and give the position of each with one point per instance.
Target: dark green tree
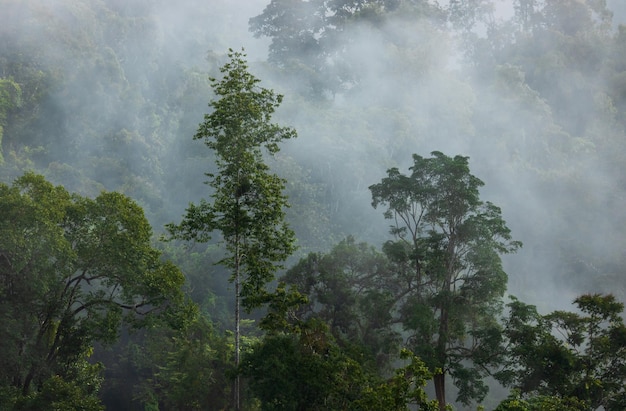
(404, 388)
(567, 355)
(248, 204)
(447, 249)
(352, 290)
(192, 368)
(72, 269)
(307, 369)
(540, 403)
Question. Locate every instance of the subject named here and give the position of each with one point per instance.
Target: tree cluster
(99, 98)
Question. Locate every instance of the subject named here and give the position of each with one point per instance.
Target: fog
(538, 158)
(112, 92)
(132, 87)
(415, 93)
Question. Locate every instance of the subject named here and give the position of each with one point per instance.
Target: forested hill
(108, 94)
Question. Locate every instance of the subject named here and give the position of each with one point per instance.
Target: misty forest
(313, 205)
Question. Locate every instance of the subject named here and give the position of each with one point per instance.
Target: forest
(312, 205)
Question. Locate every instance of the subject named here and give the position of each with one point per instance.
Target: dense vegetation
(376, 254)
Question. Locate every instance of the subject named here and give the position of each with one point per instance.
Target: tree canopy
(447, 243)
(579, 356)
(72, 270)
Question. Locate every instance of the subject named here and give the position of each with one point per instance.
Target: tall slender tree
(248, 204)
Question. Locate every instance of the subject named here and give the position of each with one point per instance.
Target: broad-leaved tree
(72, 269)
(579, 356)
(447, 245)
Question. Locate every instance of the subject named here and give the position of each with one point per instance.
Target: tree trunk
(440, 390)
(28, 380)
(442, 343)
(237, 330)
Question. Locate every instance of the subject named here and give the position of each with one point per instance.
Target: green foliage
(94, 94)
(541, 403)
(404, 388)
(568, 355)
(194, 368)
(71, 270)
(447, 249)
(282, 310)
(353, 291)
(308, 370)
(78, 390)
(288, 374)
(248, 204)
(59, 395)
(248, 207)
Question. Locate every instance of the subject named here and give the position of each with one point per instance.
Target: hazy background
(112, 93)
